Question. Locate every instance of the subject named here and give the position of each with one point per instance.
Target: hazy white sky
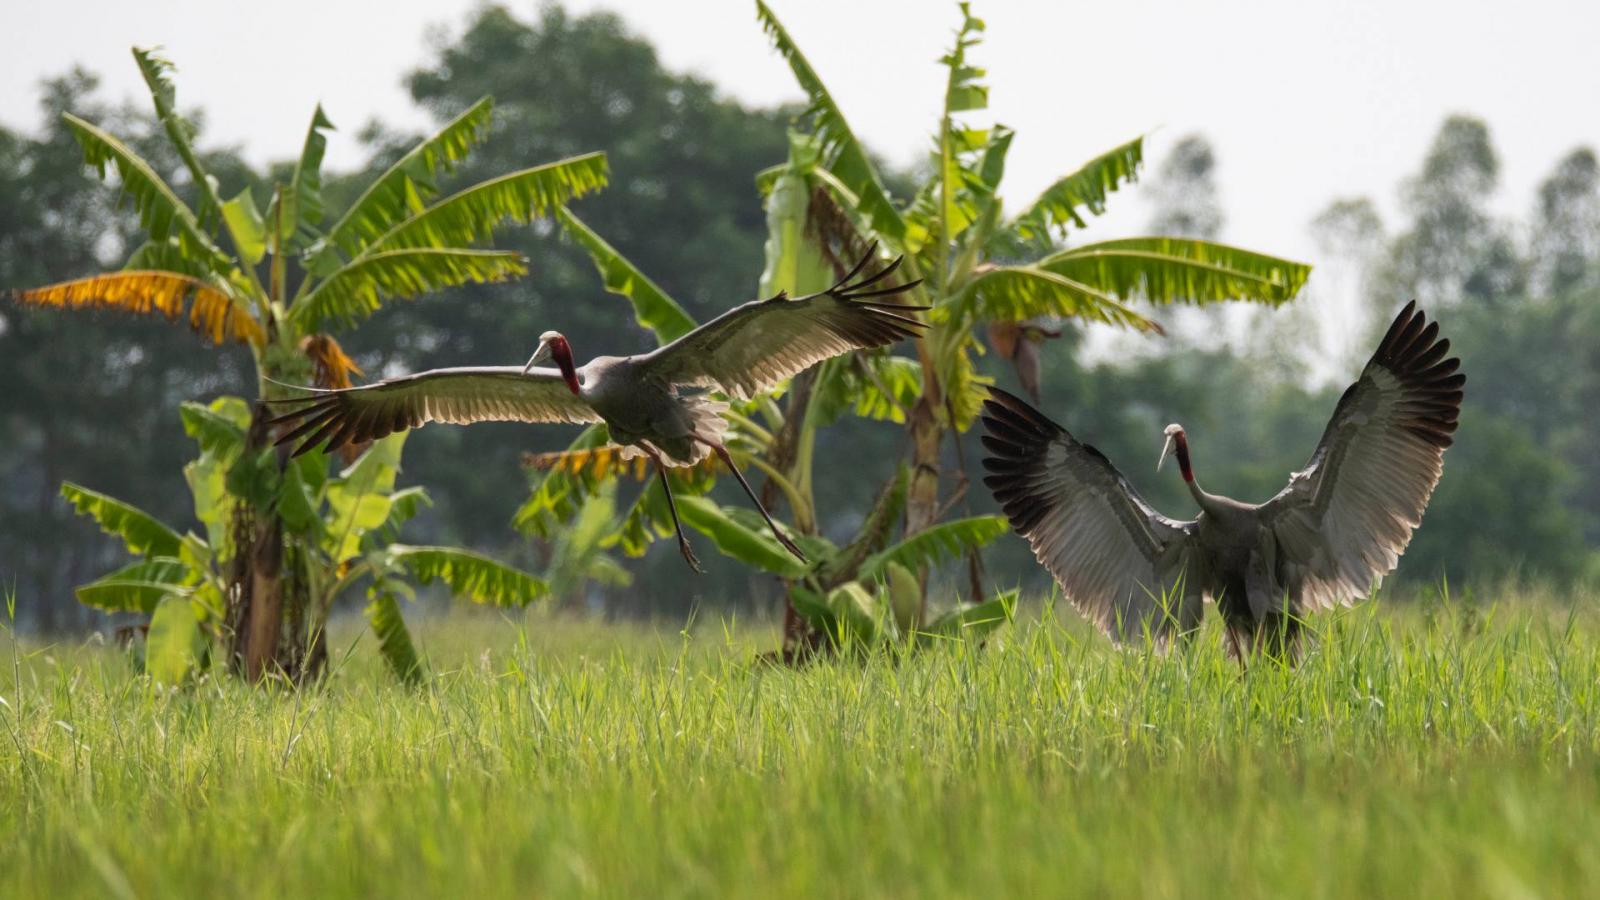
(1302, 100)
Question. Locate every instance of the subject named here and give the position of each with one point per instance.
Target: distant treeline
(93, 399)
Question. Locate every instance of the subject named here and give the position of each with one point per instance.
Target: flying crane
(655, 404)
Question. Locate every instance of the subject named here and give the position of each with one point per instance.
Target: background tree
(1350, 228)
(1184, 191)
(1454, 251)
(1566, 225)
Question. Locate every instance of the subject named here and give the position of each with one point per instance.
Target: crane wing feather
(1123, 565)
(1343, 521)
(456, 396)
(753, 347)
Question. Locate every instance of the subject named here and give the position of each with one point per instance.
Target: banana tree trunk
(927, 437)
(267, 623)
(266, 599)
(797, 635)
(922, 495)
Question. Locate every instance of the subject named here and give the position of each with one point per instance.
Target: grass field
(1448, 753)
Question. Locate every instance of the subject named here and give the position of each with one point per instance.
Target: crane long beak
(1165, 449)
(539, 356)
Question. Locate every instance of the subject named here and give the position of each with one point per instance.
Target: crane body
(640, 408)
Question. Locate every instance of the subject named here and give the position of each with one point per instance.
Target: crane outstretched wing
(754, 346)
(1343, 521)
(1123, 565)
(457, 396)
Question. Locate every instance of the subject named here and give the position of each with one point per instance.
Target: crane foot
(688, 555)
(790, 545)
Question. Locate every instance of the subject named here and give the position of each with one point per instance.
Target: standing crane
(655, 404)
(1325, 539)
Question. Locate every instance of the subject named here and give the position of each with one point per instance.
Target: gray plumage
(654, 404)
(1325, 539)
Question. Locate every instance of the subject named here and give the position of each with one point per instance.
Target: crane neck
(1180, 449)
(561, 352)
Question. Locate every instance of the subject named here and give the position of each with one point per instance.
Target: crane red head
(553, 345)
(1177, 444)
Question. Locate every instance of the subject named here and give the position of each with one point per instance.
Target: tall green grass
(1454, 752)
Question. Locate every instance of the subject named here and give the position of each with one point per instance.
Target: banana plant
(851, 618)
(580, 557)
(345, 527)
(863, 595)
(980, 266)
(278, 279)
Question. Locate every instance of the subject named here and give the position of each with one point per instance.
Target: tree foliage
(271, 550)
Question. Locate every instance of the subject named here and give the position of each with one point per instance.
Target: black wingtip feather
(311, 422)
(1016, 440)
(872, 251)
(877, 276)
(847, 288)
(1413, 351)
(318, 436)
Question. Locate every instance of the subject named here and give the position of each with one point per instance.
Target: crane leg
(722, 452)
(672, 507)
(1237, 645)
